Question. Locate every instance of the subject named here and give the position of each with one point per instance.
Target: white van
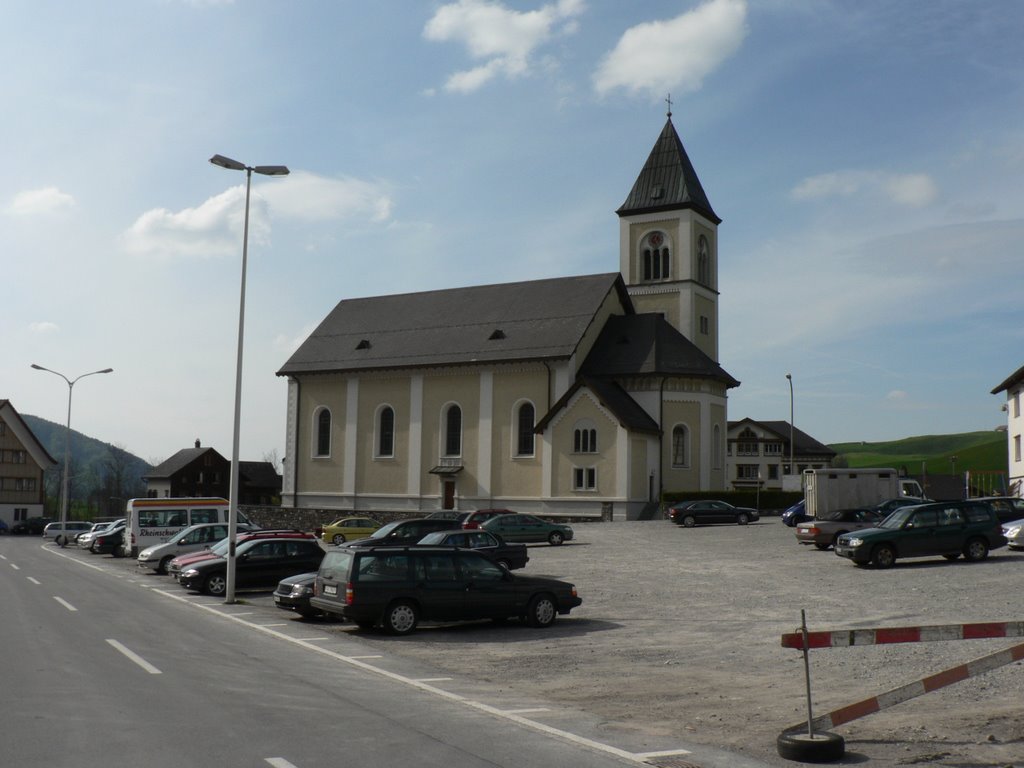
(154, 521)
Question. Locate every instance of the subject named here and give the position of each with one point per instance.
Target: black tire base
(822, 747)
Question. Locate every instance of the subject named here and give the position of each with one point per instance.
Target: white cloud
(309, 197)
(911, 189)
(897, 396)
(674, 55)
(39, 201)
(503, 38)
(215, 227)
(44, 326)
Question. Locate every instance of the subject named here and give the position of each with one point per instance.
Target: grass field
(973, 451)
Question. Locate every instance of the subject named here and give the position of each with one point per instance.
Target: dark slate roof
(647, 344)
(259, 474)
(614, 398)
(1012, 381)
(803, 444)
(177, 462)
(668, 181)
(532, 320)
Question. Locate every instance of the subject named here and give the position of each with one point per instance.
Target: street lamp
(62, 537)
(266, 170)
(792, 467)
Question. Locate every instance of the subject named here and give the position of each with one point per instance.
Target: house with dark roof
(23, 460)
(1013, 386)
(199, 471)
(581, 396)
(759, 453)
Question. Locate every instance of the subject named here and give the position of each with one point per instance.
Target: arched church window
(584, 438)
(323, 432)
(680, 446)
(703, 261)
(524, 430)
(386, 431)
(656, 261)
(453, 431)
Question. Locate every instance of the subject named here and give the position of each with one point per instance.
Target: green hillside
(973, 451)
(102, 477)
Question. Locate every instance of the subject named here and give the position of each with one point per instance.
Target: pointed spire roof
(667, 181)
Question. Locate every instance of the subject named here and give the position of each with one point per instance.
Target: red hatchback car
(474, 519)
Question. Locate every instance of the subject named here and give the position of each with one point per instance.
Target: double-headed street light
(62, 537)
(266, 170)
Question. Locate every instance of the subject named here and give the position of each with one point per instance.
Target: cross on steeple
(668, 100)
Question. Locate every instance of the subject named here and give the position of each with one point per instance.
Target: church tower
(668, 244)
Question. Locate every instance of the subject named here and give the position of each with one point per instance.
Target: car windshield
(380, 533)
(897, 518)
(433, 538)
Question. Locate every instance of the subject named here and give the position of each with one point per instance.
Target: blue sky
(866, 159)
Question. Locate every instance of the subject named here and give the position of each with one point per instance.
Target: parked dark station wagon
(397, 587)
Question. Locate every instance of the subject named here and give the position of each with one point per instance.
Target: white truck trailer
(829, 489)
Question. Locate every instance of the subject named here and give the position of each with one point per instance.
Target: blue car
(795, 514)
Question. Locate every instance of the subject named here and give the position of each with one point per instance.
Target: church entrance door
(448, 494)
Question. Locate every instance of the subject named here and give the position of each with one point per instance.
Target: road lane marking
(526, 711)
(279, 762)
(65, 603)
(33, 580)
(15, 566)
(431, 679)
(134, 657)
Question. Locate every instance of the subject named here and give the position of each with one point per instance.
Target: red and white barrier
(846, 637)
(912, 690)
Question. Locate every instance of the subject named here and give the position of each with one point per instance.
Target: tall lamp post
(792, 467)
(62, 537)
(266, 170)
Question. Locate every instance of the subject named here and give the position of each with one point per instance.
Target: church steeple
(668, 243)
(668, 180)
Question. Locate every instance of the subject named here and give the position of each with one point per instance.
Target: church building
(583, 396)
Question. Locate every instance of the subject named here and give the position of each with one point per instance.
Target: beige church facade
(582, 396)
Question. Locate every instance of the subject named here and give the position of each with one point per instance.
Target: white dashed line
(15, 566)
(33, 580)
(279, 762)
(134, 657)
(526, 711)
(65, 603)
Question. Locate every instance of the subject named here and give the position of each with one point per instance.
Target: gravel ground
(679, 637)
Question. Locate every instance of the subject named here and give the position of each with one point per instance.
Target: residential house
(202, 471)
(23, 460)
(579, 396)
(759, 452)
(1013, 386)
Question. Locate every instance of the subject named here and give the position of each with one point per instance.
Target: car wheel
(505, 564)
(822, 546)
(401, 618)
(975, 550)
(742, 518)
(884, 556)
(555, 538)
(339, 538)
(216, 584)
(541, 611)
(689, 521)
(165, 564)
(822, 747)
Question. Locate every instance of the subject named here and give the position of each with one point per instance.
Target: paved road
(105, 667)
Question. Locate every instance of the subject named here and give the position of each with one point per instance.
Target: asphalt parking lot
(679, 634)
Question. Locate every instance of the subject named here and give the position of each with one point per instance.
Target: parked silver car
(1014, 533)
(191, 539)
(85, 540)
(70, 531)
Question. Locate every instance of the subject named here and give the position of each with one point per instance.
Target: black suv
(947, 528)
(396, 587)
